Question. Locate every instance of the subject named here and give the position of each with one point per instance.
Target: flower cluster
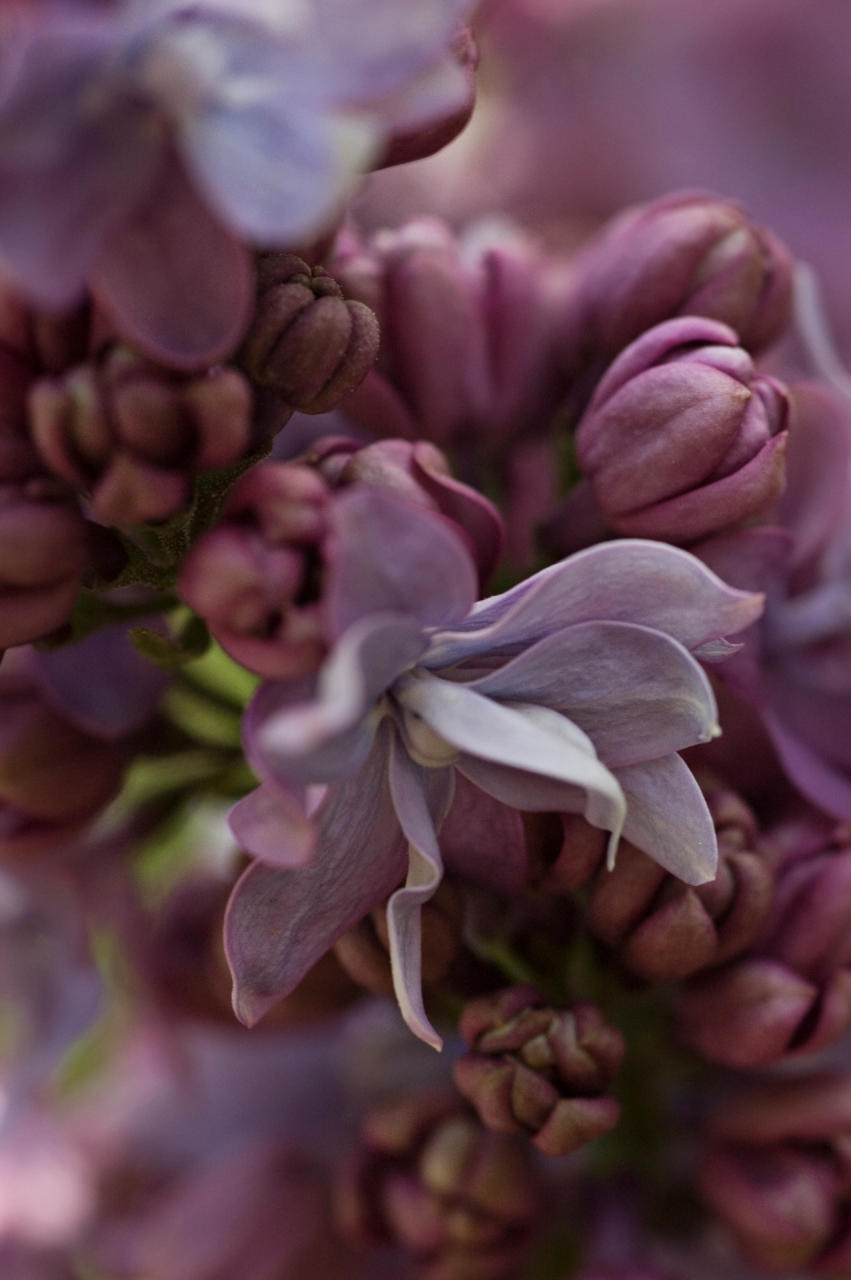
(425, 663)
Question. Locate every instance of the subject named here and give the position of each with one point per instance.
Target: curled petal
(631, 580)
(421, 798)
(667, 816)
(270, 824)
(637, 693)
(279, 923)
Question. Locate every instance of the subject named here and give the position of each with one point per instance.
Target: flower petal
(390, 555)
(270, 824)
(630, 580)
(637, 693)
(421, 798)
(153, 277)
(668, 818)
(279, 923)
(530, 738)
(329, 736)
(483, 840)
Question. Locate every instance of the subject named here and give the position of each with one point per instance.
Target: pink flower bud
(539, 1070)
(681, 439)
(685, 254)
(255, 578)
(307, 342)
(133, 434)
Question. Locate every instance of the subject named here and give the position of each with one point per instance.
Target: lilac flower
(174, 131)
(571, 692)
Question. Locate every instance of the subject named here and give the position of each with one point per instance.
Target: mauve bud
(537, 1070)
(31, 344)
(307, 342)
(681, 439)
(792, 996)
(462, 1201)
(364, 952)
(778, 1171)
(255, 577)
(418, 471)
(663, 929)
(685, 254)
(44, 547)
(133, 434)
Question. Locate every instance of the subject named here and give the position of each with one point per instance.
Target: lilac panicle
(684, 254)
(680, 439)
(534, 1069)
(177, 131)
(571, 692)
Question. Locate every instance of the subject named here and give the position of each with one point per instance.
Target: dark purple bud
(133, 434)
(462, 1201)
(308, 343)
(681, 439)
(44, 547)
(255, 578)
(663, 929)
(685, 254)
(777, 1170)
(31, 344)
(538, 1070)
(364, 952)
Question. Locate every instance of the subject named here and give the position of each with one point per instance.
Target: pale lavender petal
(388, 555)
(483, 840)
(421, 798)
(667, 817)
(630, 580)
(279, 923)
(271, 824)
(530, 738)
(153, 277)
(519, 789)
(329, 736)
(272, 170)
(102, 684)
(635, 692)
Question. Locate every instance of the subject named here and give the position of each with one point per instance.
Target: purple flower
(572, 692)
(172, 132)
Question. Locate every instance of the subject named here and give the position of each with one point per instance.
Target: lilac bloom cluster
(417, 632)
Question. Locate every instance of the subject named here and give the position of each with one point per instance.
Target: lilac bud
(307, 342)
(664, 929)
(364, 952)
(466, 350)
(539, 1070)
(255, 578)
(685, 254)
(464, 1202)
(419, 472)
(681, 439)
(44, 547)
(133, 434)
(777, 1170)
(32, 344)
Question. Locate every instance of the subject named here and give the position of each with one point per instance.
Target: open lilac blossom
(571, 692)
(177, 131)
